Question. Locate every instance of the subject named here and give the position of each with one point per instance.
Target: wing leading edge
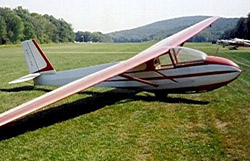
(89, 81)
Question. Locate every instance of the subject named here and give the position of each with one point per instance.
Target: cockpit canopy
(179, 56)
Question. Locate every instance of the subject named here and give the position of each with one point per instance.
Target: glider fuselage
(199, 73)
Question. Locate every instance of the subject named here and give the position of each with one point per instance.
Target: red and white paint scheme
(165, 67)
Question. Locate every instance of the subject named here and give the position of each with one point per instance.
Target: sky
(115, 15)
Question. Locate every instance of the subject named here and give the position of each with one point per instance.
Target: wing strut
(172, 79)
(139, 80)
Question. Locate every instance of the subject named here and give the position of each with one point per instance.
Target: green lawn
(109, 124)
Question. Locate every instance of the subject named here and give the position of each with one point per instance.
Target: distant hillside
(160, 30)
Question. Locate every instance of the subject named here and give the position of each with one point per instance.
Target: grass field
(108, 124)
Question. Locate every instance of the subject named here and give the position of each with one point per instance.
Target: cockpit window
(165, 61)
(179, 56)
(187, 55)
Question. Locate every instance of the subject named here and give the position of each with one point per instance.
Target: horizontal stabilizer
(25, 78)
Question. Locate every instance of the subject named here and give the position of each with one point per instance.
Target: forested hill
(159, 30)
(19, 24)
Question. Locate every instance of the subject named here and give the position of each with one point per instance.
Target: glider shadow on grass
(74, 109)
(24, 88)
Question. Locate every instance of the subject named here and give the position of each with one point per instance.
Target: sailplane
(166, 67)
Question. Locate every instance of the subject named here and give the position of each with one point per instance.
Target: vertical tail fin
(36, 59)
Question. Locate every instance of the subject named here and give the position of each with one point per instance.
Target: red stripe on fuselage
(178, 76)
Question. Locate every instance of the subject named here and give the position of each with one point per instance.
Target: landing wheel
(161, 95)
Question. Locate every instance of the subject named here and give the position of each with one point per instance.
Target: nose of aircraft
(221, 61)
(231, 69)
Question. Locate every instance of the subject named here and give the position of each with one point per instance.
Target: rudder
(36, 59)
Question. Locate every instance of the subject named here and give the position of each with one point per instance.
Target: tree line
(241, 30)
(92, 37)
(19, 24)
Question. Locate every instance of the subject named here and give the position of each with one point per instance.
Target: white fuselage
(188, 79)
